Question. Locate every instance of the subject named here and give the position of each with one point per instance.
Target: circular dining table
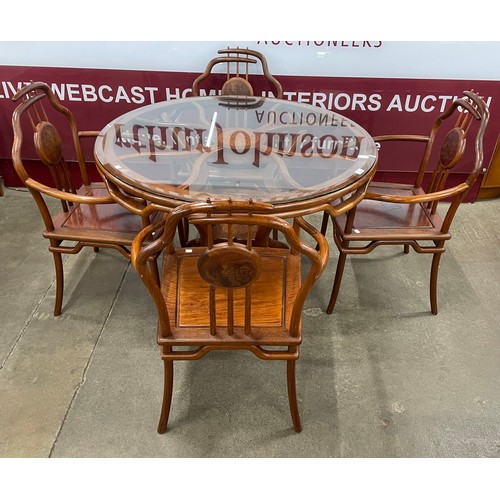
(295, 157)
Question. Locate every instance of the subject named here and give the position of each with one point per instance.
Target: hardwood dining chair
(407, 215)
(229, 295)
(237, 77)
(89, 216)
(236, 83)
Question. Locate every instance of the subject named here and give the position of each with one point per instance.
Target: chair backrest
(448, 139)
(230, 265)
(39, 122)
(237, 62)
(457, 130)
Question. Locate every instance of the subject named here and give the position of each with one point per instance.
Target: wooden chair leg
(336, 283)
(183, 232)
(433, 283)
(324, 225)
(407, 248)
(292, 395)
(153, 265)
(168, 382)
(59, 283)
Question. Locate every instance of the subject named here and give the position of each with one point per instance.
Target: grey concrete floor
(380, 377)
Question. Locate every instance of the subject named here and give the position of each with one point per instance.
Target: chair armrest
(321, 254)
(135, 205)
(63, 195)
(139, 256)
(418, 198)
(408, 137)
(140, 253)
(88, 133)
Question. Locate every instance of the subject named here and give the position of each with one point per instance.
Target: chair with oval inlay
(407, 215)
(90, 217)
(237, 80)
(230, 295)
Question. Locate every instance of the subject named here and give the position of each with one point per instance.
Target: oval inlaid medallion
(229, 266)
(48, 143)
(452, 148)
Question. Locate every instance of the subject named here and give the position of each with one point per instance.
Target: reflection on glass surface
(266, 149)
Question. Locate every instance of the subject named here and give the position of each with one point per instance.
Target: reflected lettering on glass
(150, 140)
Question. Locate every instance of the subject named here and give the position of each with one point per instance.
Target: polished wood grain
(229, 295)
(89, 215)
(188, 293)
(407, 215)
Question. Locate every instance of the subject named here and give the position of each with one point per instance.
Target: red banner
(380, 105)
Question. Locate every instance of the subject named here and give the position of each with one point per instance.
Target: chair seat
(273, 295)
(393, 221)
(96, 223)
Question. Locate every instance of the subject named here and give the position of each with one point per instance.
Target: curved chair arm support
(419, 198)
(401, 137)
(351, 202)
(140, 253)
(134, 205)
(318, 260)
(139, 256)
(62, 195)
(88, 133)
(320, 240)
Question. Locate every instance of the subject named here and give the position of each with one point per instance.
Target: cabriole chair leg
(433, 283)
(292, 395)
(59, 283)
(168, 382)
(336, 283)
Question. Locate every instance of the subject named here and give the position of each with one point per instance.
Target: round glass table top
(222, 147)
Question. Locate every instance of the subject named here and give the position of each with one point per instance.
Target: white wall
(377, 59)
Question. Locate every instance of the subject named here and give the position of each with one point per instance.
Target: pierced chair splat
(237, 78)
